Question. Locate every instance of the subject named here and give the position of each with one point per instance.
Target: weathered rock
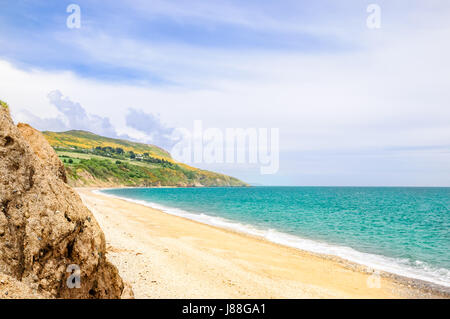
(43, 150)
(44, 226)
(11, 288)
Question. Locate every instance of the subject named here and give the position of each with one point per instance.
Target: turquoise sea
(397, 229)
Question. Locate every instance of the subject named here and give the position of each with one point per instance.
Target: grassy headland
(93, 160)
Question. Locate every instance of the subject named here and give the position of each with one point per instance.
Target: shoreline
(352, 281)
(353, 257)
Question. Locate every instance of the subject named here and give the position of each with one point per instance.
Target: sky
(354, 106)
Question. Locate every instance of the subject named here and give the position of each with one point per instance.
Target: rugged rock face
(11, 288)
(44, 226)
(43, 150)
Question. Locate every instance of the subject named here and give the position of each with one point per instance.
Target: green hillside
(93, 160)
(87, 140)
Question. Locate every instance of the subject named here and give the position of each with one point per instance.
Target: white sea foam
(403, 267)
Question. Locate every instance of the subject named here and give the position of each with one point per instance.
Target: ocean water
(405, 231)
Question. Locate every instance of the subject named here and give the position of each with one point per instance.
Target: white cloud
(391, 93)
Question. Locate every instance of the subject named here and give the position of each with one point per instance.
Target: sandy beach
(165, 256)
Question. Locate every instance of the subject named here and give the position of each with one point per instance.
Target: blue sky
(354, 106)
(41, 39)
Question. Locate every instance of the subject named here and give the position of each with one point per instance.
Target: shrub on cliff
(4, 104)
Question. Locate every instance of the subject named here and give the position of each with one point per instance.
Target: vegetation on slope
(4, 104)
(90, 159)
(86, 140)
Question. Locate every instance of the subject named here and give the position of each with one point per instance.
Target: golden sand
(165, 256)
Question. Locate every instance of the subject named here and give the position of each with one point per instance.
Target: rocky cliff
(43, 150)
(44, 226)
